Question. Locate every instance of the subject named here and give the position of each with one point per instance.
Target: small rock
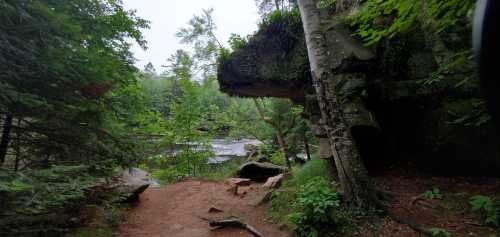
(243, 191)
(233, 189)
(214, 210)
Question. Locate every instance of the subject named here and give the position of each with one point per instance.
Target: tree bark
(356, 186)
(4, 143)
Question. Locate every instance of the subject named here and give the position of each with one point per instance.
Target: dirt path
(177, 210)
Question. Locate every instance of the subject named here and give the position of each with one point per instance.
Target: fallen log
(235, 223)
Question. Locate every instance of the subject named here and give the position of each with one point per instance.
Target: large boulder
(131, 183)
(259, 171)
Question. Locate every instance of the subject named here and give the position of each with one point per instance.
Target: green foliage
(439, 232)
(59, 190)
(278, 157)
(289, 18)
(312, 169)
(325, 3)
(490, 207)
(236, 42)
(459, 62)
(434, 193)
(379, 19)
(167, 175)
(317, 205)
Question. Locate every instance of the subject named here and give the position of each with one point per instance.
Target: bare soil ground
(179, 210)
(451, 212)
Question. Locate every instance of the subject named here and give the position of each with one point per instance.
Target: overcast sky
(167, 16)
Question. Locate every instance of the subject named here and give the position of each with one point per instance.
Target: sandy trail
(175, 210)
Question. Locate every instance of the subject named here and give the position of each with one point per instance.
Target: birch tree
(357, 188)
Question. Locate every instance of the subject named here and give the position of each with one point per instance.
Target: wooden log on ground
(235, 223)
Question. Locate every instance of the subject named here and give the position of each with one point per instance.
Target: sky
(167, 16)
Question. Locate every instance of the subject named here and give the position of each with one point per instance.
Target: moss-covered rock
(273, 63)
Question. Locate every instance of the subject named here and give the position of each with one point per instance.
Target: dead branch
(235, 223)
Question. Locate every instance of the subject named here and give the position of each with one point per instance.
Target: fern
(379, 19)
(490, 207)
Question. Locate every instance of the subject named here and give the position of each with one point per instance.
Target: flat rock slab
(239, 181)
(132, 182)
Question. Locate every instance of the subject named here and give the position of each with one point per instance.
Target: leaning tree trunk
(357, 188)
(4, 143)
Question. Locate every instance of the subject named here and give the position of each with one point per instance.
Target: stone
(259, 171)
(273, 182)
(131, 183)
(214, 210)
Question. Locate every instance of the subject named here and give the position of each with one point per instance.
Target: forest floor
(450, 211)
(182, 209)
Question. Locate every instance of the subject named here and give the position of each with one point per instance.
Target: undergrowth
(315, 209)
(488, 207)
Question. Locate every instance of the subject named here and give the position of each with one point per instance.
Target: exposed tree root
(415, 226)
(234, 223)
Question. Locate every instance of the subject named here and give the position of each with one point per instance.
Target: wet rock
(259, 171)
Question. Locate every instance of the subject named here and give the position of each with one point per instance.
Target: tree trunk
(279, 132)
(4, 143)
(281, 142)
(18, 146)
(356, 186)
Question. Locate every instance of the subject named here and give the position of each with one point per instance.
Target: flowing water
(227, 149)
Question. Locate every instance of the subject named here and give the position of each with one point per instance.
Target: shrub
(435, 193)
(167, 175)
(278, 157)
(439, 232)
(490, 207)
(317, 207)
